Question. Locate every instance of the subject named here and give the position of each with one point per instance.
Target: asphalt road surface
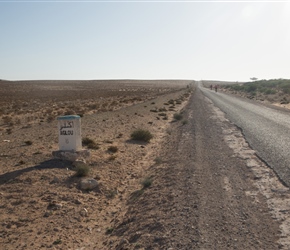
(266, 129)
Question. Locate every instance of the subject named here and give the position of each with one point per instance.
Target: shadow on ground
(50, 164)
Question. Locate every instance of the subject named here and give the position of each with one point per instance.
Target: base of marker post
(71, 155)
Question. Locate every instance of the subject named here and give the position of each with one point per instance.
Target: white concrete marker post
(70, 139)
(69, 133)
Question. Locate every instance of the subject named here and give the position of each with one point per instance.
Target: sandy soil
(42, 205)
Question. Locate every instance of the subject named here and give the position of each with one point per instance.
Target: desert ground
(42, 205)
(195, 185)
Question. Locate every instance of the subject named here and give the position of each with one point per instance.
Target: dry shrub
(141, 135)
(113, 149)
(90, 143)
(82, 170)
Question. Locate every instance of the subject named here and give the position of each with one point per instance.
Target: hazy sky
(144, 40)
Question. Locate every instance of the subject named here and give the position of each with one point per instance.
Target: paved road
(267, 130)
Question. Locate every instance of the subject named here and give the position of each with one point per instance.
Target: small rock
(88, 184)
(54, 206)
(47, 214)
(55, 180)
(79, 163)
(84, 212)
(78, 202)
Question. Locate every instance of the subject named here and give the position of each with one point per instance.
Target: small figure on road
(215, 87)
(210, 87)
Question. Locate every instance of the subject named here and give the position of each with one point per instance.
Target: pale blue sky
(144, 40)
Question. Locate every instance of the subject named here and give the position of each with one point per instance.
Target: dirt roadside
(209, 192)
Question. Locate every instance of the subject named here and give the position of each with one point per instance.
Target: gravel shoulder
(209, 192)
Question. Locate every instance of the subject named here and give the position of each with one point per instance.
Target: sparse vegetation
(28, 143)
(90, 143)
(184, 122)
(267, 87)
(113, 149)
(82, 170)
(177, 116)
(141, 135)
(57, 242)
(111, 194)
(109, 230)
(147, 182)
(162, 110)
(59, 185)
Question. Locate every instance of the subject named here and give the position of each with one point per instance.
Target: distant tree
(254, 78)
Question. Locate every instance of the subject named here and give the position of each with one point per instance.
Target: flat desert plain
(41, 203)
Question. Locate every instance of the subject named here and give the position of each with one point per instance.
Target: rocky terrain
(42, 205)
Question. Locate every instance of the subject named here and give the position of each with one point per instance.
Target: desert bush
(90, 143)
(141, 135)
(109, 230)
(113, 149)
(111, 194)
(250, 88)
(82, 170)
(177, 116)
(270, 92)
(184, 122)
(263, 86)
(147, 182)
(56, 242)
(28, 143)
(162, 110)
